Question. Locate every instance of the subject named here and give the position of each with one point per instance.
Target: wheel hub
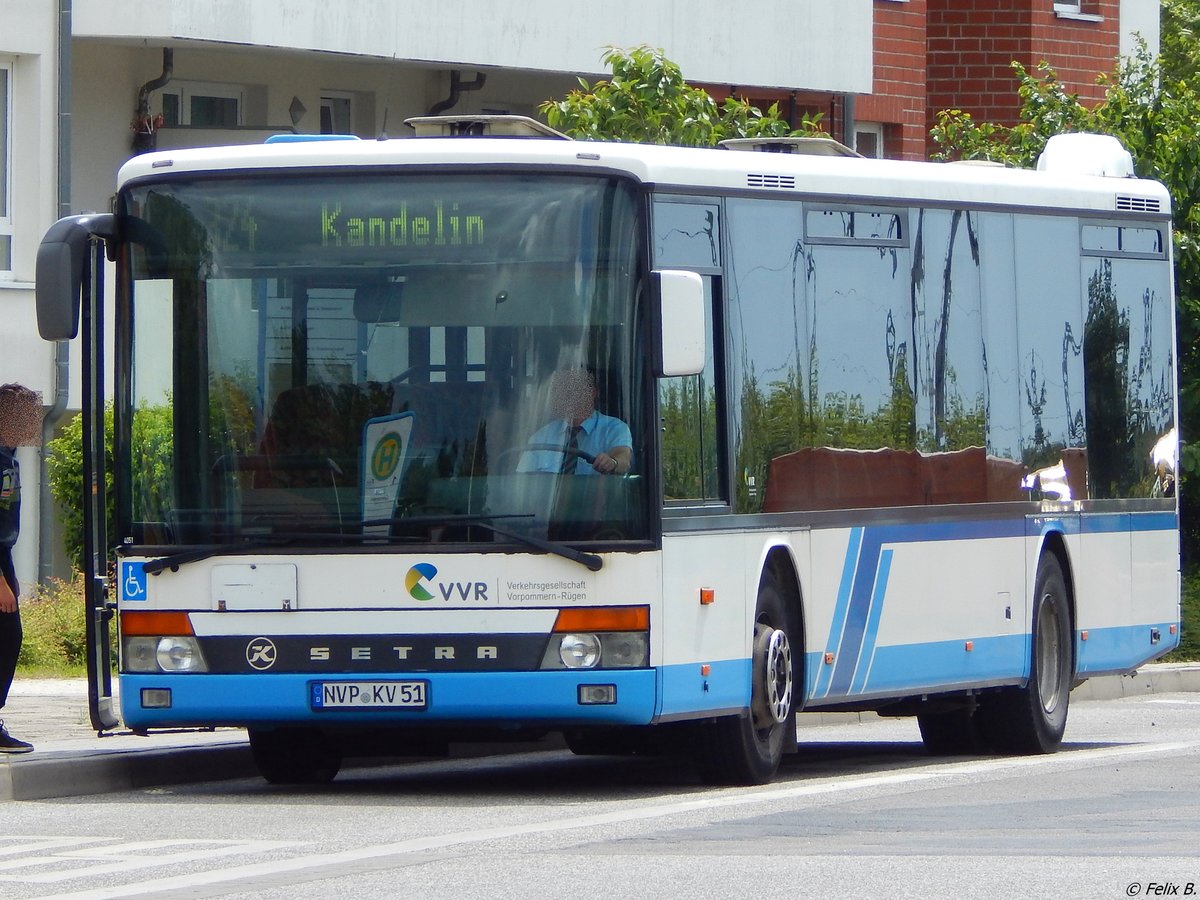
(772, 690)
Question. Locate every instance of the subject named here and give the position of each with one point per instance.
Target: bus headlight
(624, 650)
(584, 650)
(172, 653)
(579, 651)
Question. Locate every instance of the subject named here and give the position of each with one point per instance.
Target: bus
(897, 436)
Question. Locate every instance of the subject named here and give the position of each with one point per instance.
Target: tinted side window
(1127, 355)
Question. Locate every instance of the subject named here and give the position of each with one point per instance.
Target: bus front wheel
(295, 755)
(747, 749)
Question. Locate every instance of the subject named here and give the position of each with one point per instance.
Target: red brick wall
(1079, 51)
(899, 98)
(971, 44)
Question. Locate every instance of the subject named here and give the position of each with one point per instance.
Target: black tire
(952, 733)
(1032, 719)
(295, 755)
(747, 749)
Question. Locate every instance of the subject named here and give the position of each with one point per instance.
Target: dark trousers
(10, 629)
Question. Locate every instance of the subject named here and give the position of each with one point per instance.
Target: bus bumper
(509, 699)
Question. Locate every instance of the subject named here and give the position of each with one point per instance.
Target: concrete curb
(73, 774)
(1159, 678)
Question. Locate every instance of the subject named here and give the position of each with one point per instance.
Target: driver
(578, 426)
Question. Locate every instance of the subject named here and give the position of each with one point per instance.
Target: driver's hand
(605, 464)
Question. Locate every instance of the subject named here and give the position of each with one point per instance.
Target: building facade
(85, 84)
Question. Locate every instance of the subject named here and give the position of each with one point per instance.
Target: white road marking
(12, 844)
(85, 857)
(1179, 701)
(724, 800)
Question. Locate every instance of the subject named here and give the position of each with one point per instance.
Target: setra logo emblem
(261, 653)
(418, 574)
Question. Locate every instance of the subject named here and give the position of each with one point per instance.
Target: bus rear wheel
(1032, 719)
(747, 749)
(295, 755)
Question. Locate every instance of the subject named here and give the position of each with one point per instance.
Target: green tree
(647, 101)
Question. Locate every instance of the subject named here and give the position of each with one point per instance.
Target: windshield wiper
(175, 560)
(590, 560)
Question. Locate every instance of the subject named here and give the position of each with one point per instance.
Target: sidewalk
(70, 760)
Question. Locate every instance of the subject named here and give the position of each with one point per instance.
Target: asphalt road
(860, 812)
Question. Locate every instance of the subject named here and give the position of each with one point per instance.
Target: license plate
(370, 694)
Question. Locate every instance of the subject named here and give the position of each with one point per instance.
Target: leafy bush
(64, 466)
(648, 101)
(1189, 638)
(55, 629)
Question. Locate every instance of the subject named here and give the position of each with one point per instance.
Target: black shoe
(10, 744)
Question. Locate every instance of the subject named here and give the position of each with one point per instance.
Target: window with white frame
(203, 105)
(337, 112)
(6, 229)
(1068, 6)
(868, 139)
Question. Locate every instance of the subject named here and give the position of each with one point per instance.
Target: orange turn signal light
(603, 618)
(155, 623)
(707, 596)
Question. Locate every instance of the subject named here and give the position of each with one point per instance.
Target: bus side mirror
(59, 272)
(680, 322)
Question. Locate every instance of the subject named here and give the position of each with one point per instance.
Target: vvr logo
(418, 574)
(420, 578)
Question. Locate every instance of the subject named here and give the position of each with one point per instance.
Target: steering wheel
(575, 452)
(588, 458)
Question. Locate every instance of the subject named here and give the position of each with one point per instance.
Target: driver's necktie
(570, 457)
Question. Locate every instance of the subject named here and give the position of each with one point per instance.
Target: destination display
(373, 218)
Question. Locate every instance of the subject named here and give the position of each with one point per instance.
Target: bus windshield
(382, 357)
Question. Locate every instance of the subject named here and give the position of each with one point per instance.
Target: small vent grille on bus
(1138, 204)
(770, 181)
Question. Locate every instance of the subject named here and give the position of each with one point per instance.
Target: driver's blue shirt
(598, 434)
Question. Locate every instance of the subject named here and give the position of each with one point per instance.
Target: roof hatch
(806, 146)
(1086, 154)
(481, 126)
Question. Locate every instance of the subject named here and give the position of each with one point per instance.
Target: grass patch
(54, 627)
(1189, 633)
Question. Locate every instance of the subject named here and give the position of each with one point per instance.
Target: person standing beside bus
(20, 424)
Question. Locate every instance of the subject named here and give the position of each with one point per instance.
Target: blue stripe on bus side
(862, 591)
(821, 687)
(940, 665)
(1122, 648)
(867, 657)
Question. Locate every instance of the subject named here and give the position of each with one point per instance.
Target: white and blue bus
(898, 437)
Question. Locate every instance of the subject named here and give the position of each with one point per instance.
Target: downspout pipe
(62, 355)
(457, 86)
(144, 138)
(849, 124)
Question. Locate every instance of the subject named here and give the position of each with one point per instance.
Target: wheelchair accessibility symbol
(133, 581)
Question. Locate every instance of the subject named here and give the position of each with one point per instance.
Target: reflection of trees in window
(777, 420)
(688, 410)
(1105, 362)
(954, 421)
(1042, 452)
(1129, 405)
